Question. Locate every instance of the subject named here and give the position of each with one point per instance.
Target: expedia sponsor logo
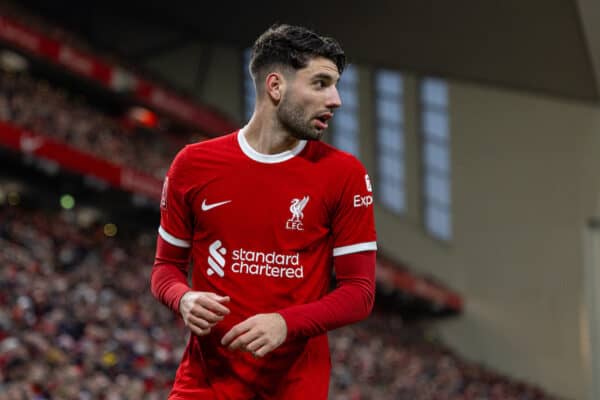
(362, 201)
(256, 263)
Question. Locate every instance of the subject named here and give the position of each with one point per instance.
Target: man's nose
(334, 100)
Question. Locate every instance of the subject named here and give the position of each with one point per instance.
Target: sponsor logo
(31, 144)
(171, 103)
(163, 195)
(296, 208)
(216, 261)
(75, 60)
(368, 183)
(16, 34)
(362, 201)
(273, 264)
(122, 80)
(256, 263)
(206, 207)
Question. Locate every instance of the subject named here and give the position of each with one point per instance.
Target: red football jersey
(263, 229)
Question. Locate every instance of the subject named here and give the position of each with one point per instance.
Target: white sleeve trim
(354, 248)
(172, 239)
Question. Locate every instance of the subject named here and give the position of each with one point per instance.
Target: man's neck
(267, 136)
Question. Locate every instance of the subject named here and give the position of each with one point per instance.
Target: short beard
(292, 118)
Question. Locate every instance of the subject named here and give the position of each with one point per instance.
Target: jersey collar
(267, 158)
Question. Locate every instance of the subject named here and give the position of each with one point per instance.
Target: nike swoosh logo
(206, 207)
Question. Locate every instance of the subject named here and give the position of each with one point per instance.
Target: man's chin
(312, 134)
(316, 134)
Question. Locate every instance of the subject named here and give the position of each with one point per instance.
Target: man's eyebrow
(325, 76)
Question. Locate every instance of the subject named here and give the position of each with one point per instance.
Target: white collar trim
(267, 158)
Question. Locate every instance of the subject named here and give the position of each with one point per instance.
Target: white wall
(520, 203)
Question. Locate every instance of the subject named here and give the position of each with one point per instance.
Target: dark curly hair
(293, 46)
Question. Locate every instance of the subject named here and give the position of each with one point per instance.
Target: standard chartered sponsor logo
(215, 259)
(270, 264)
(250, 262)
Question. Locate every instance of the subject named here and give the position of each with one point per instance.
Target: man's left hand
(259, 334)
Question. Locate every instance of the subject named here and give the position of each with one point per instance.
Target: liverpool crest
(296, 208)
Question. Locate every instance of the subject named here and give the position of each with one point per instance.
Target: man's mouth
(321, 120)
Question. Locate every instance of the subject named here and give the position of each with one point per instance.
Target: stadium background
(479, 124)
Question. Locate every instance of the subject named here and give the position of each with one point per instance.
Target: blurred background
(479, 123)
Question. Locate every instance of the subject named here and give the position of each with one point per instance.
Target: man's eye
(320, 83)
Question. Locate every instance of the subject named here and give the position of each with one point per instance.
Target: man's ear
(275, 86)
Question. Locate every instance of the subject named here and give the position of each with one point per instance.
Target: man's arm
(351, 301)
(168, 280)
(199, 310)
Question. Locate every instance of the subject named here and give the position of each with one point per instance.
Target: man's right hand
(202, 310)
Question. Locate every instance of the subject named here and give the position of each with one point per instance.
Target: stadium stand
(36, 37)
(77, 321)
(387, 358)
(77, 318)
(38, 107)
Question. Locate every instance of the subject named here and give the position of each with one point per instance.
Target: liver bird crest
(297, 207)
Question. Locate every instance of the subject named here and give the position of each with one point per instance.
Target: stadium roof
(546, 46)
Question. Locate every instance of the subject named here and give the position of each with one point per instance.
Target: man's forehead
(321, 65)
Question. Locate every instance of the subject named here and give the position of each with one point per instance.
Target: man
(265, 213)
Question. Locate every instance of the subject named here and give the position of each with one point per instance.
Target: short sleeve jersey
(263, 229)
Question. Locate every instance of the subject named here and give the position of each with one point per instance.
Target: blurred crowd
(384, 358)
(42, 109)
(78, 321)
